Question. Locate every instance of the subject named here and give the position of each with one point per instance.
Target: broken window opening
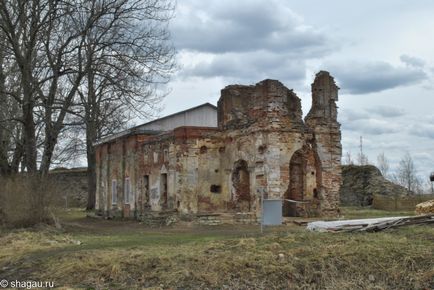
(315, 193)
(296, 184)
(203, 149)
(163, 189)
(261, 149)
(146, 189)
(127, 190)
(241, 185)
(215, 188)
(114, 192)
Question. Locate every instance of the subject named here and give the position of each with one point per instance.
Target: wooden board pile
(426, 207)
(369, 225)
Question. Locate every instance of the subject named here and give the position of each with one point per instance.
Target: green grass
(128, 255)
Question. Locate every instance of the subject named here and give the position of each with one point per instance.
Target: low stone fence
(399, 203)
(71, 186)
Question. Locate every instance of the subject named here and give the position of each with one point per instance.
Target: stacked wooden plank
(426, 207)
(369, 225)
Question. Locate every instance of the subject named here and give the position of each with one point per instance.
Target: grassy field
(99, 254)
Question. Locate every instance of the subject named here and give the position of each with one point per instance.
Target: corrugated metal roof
(178, 113)
(138, 130)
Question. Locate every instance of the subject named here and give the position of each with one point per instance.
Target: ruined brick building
(220, 160)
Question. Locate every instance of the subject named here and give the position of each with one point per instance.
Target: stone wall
(71, 186)
(399, 203)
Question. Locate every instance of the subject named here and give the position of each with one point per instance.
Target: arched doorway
(304, 183)
(241, 186)
(296, 184)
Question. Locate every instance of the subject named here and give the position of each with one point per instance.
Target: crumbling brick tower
(322, 120)
(284, 157)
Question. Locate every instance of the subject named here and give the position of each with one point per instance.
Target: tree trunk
(29, 132)
(91, 135)
(50, 143)
(4, 164)
(91, 174)
(18, 153)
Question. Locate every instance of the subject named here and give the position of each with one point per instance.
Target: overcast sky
(381, 54)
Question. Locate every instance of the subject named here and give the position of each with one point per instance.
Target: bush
(25, 200)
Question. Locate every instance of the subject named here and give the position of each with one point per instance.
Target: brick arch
(304, 181)
(240, 178)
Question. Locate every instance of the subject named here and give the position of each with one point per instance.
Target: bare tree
(4, 138)
(362, 159)
(383, 165)
(431, 182)
(127, 54)
(80, 66)
(43, 45)
(406, 173)
(11, 143)
(348, 159)
(96, 60)
(20, 30)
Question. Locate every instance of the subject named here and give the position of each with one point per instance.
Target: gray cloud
(412, 61)
(240, 26)
(252, 66)
(364, 122)
(367, 115)
(387, 111)
(372, 127)
(349, 115)
(364, 78)
(422, 130)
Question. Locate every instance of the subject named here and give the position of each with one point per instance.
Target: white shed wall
(205, 116)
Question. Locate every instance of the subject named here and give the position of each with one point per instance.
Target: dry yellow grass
(126, 256)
